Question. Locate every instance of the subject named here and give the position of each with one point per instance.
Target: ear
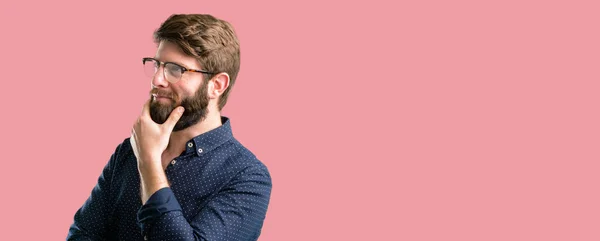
(218, 85)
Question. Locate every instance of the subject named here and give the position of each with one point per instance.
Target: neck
(178, 139)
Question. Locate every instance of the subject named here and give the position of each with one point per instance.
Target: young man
(181, 175)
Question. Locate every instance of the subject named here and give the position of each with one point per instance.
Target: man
(181, 175)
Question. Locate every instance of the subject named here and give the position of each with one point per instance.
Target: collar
(208, 141)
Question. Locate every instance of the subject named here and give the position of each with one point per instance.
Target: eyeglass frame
(183, 69)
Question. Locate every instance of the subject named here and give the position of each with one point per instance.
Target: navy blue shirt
(218, 191)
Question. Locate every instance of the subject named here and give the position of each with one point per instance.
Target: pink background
(436, 120)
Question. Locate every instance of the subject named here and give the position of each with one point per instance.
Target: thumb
(174, 117)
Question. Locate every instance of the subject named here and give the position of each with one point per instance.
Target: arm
(90, 221)
(235, 213)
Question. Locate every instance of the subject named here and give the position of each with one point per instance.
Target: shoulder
(123, 154)
(124, 148)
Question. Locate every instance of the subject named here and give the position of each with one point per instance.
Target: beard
(195, 107)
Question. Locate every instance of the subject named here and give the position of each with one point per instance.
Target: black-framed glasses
(172, 71)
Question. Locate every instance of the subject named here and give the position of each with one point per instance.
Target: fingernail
(181, 109)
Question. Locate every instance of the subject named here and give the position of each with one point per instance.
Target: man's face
(190, 91)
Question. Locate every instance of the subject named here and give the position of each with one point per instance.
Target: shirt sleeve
(236, 213)
(91, 220)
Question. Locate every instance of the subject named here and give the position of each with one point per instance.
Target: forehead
(170, 52)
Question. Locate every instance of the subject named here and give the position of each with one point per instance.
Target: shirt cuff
(161, 202)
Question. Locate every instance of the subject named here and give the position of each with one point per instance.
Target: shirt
(218, 190)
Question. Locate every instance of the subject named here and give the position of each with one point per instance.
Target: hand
(149, 139)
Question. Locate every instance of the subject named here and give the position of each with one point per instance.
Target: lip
(160, 96)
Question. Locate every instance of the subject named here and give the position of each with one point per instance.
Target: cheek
(184, 94)
(189, 86)
(179, 91)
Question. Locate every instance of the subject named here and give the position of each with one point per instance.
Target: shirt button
(190, 144)
(199, 150)
(173, 162)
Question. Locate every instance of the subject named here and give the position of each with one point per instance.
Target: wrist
(149, 161)
(152, 179)
(148, 189)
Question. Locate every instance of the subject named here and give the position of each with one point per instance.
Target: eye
(173, 68)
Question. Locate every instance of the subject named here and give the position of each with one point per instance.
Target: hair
(211, 41)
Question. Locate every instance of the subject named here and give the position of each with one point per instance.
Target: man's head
(198, 59)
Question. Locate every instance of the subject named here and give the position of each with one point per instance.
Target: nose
(159, 79)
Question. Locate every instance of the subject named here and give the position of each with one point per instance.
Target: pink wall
(436, 120)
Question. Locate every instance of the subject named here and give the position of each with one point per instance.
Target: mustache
(163, 93)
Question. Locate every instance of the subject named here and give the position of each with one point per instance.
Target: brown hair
(211, 41)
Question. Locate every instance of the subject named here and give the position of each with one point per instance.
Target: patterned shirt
(218, 191)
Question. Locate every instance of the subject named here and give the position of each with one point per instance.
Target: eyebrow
(182, 65)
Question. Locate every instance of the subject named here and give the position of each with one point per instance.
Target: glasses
(172, 71)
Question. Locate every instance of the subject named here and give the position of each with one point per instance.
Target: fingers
(173, 118)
